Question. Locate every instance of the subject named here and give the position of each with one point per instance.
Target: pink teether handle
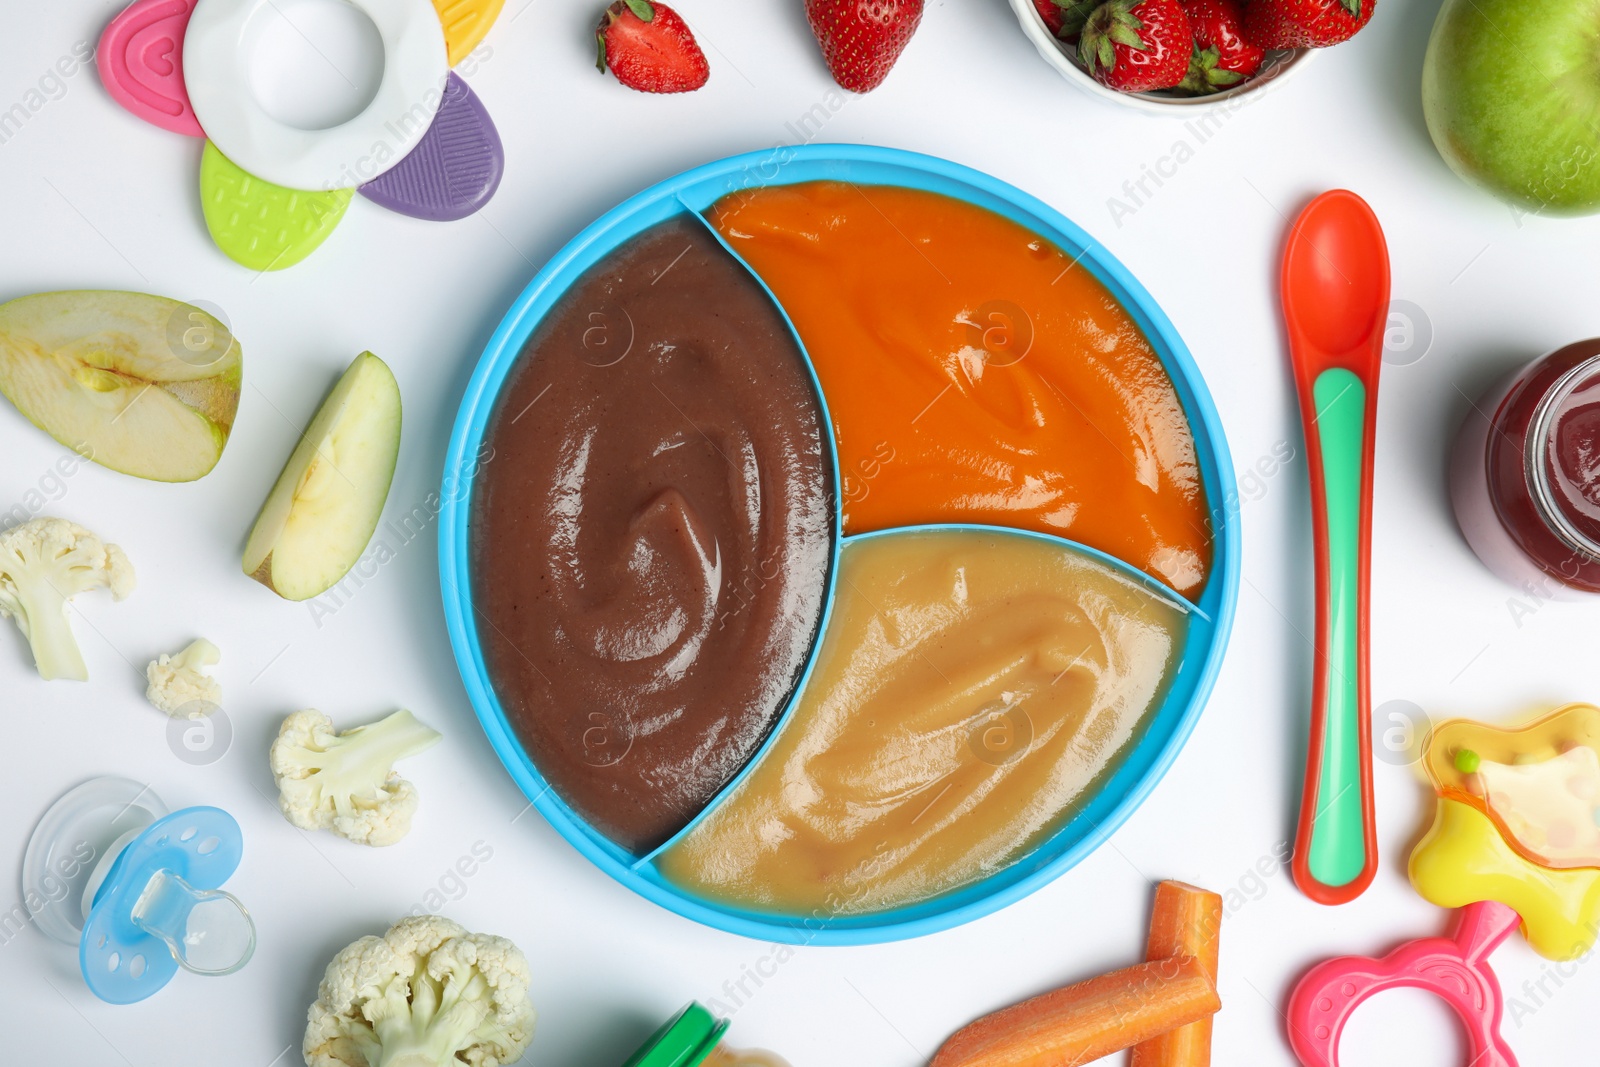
(1455, 969)
(141, 63)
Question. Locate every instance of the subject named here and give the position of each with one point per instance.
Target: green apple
(141, 384)
(1511, 91)
(320, 515)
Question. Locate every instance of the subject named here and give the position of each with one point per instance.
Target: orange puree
(975, 374)
(971, 687)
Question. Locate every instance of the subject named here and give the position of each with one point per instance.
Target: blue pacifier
(137, 889)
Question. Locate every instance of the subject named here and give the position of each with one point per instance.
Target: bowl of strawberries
(1168, 55)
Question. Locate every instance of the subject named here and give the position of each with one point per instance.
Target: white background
(93, 198)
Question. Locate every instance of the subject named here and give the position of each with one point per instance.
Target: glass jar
(693, 1038)
(732, 1057)
(1525, 475)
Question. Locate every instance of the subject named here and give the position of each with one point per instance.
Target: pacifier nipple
(208, 931)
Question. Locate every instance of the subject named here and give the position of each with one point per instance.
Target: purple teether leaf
(454, 169)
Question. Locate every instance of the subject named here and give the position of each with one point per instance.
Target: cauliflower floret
(425, 994)
(346, 782)
(177, 684)
(45, 563)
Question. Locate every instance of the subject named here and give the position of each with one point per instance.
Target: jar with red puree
(1525, 474)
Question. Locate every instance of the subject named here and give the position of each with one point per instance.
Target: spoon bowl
(1336, 282)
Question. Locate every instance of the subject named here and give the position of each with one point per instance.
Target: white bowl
(1059, 54)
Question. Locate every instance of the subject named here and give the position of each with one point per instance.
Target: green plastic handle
(1338, 851)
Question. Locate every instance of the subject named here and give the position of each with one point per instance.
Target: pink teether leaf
(1455, 969)
(141, 63)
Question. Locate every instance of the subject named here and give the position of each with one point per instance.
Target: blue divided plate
(1165, 730)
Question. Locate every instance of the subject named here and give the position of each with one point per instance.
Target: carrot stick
(1185, 921)
(1086, 1021)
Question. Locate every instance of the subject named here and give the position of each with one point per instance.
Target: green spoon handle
(1336, 852)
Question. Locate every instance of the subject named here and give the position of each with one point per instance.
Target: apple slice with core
(321, 513)
(141, 384)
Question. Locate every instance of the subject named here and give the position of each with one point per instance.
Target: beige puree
(970, 687)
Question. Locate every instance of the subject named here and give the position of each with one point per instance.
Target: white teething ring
(216, 74)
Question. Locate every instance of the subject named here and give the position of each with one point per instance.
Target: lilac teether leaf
(455, 168)
(140, 59)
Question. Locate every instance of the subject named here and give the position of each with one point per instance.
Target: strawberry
(1058, 13)
(1304, 23)
(649, 47)
(861, 39)
(1053, 14)
(1222, 57)
(1135, 46)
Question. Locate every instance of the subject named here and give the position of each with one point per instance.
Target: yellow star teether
(1516, 823)
(1539, 783)
(1463, 859)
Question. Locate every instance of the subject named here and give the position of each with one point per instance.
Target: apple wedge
(321, 513)
(141, 384)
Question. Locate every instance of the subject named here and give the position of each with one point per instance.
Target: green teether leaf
(261, 225)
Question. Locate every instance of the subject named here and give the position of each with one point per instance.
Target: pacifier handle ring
(166, 884)
(1455, 969)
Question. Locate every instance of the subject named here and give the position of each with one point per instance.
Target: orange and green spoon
(1335, 288)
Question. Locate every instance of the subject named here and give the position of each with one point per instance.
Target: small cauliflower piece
(178, 685)
(346, 782)
(425, 994)
(43, 564)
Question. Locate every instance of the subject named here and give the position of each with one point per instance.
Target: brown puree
(651, 541)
